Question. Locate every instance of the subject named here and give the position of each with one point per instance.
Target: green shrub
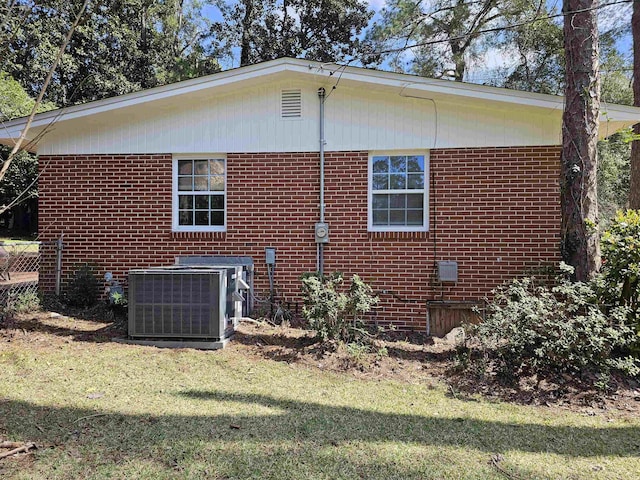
(621, 264)
(84, 287)
(333, 311)
(532, 328)
(27, 302)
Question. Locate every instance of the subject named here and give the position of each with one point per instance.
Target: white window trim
(427, 173)
(175, 226)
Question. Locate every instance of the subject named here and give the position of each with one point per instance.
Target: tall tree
(580, 245)
(634, 181)
(447, 34)
(322, 30)
(120, 46)
(538, 56)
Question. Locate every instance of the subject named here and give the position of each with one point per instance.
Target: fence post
(59, 247)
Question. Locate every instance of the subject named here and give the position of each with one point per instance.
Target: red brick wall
(495, 211)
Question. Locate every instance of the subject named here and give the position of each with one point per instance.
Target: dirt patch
(410, 357)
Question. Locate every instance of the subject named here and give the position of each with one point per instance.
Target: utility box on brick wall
(447, 271)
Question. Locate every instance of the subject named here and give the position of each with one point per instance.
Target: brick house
(416, 171)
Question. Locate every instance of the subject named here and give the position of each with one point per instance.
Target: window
(398, 192)
(199, 186)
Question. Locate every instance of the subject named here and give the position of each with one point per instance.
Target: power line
(499, 29)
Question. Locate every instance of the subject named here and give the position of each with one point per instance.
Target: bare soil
(410, 357)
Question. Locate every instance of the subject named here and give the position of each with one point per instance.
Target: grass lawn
(18, 246)
(97, 409)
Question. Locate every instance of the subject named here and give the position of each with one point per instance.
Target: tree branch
(25, 130)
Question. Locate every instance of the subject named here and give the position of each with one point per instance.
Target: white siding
(248, 120)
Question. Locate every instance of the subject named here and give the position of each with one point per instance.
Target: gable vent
(291, 103)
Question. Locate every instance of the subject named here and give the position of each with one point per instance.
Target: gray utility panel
(183, 302)
(238, 267)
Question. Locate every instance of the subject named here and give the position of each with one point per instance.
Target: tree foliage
(447, 33)
(120, 46)
(321, 30)
(19, 184)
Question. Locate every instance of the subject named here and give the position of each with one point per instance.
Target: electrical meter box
(322, 232)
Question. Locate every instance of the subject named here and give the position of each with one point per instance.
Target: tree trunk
(245, 47)
(634, 187)
(580, 246)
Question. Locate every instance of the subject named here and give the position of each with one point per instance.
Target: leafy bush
(27, 302)
(532, 328)
(333, 311)
(621, 258)
(83, 288)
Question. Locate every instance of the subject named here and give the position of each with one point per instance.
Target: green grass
(166, 414)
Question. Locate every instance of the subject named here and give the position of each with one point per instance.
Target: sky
(493, 59)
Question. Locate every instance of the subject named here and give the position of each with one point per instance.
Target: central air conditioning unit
(183, 303)
(240, 272)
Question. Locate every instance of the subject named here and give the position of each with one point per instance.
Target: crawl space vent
(291, 103)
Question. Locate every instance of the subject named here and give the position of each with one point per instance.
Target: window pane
(217, 167)
(415, 217)
(217, 202)
(217, 183)
(217, 218)
(380, 201)
(415, 164)
(202, 218)
(398, 201)
(415, 201)
(398, 164)
(185, 183)
(397, 182)
(397, 217)
(201, 184)
(201, 167)
(415, 181)
(185, 202)
(185, 218)
(380, 164)
(380, 217)
(380, 181)
(202, 202)
(185, 167)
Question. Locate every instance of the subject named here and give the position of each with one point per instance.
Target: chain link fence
(19, 270)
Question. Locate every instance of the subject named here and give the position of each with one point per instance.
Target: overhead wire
(498, 29)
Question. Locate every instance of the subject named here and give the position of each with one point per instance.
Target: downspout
(321, 96)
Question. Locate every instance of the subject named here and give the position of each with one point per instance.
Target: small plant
(358, 351)
(334, 311)
(25, 302)
(119, 299)
(83, 288)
